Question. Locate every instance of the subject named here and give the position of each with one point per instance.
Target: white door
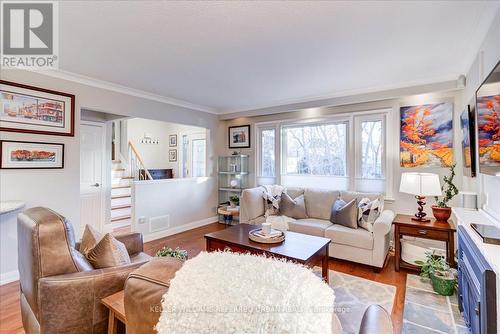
(92, 148)
(194, 155)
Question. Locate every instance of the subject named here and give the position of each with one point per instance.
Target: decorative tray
(256, 235)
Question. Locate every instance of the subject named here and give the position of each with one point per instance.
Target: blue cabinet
(476, 287)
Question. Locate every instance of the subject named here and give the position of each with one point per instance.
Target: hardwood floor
(193, 242)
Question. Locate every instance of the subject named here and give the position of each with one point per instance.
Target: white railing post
(137, 164)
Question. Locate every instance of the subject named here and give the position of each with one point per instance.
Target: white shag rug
(225, 292)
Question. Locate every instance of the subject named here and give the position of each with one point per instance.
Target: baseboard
(9, 277)
(179, 229)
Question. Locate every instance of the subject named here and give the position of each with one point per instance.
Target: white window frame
(328, 121)
(353, 142)
(358, 120)
(196, 135)
(358, 156)
(191, 152)
(277, 152)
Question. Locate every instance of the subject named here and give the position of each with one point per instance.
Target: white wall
(60, 189)
(401, 203)
(487, 57)
(155, 156)
(176, 201)
(57, 189)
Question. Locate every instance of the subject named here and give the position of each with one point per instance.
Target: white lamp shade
(420, 184)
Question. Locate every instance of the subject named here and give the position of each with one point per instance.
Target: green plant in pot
(443, 278)
(441, 210)
(234, 200)
(175, 253)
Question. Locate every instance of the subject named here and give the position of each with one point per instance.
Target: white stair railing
(136, 165)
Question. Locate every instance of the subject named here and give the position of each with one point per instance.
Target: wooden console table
(435, 230)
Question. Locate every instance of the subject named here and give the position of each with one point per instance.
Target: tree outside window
(318, 149)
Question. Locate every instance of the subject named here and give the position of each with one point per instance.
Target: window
(267, 156)
(370, 153)
(315, 149)
(371, 149)
(194, 155)
(344, 152)
(199, 157)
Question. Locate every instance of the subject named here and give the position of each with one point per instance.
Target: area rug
(426, 312)
(354, 294)
(224, 292)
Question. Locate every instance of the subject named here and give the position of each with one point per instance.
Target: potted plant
(441, 210)
(234, 201)
(443, 278)
(176, 253)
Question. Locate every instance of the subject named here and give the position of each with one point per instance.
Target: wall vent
(159, 223)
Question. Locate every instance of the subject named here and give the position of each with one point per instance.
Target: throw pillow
(295, 208)
(108, 252)
(90, 238)
(345, 214)
(368, 212)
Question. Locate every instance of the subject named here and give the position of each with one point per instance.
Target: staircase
(121, 201)
(122, 176)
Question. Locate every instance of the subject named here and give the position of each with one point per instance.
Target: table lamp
(420, 185)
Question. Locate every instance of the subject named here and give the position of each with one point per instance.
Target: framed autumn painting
(426, 138)
(37, 110)
(488, 123)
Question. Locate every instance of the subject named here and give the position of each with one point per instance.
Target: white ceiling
(230, 56)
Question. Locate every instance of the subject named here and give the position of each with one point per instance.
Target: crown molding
(350, 97)
(344, 93)
(89, 81)
(338, 98)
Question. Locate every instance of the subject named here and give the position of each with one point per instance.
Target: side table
(115, 304)
(227, 215)
(435, 230)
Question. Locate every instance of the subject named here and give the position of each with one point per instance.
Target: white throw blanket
(226, 292)
(279, 222)
(273, 194)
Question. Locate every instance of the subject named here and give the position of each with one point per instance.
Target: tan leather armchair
(143, 291)
(60, 290)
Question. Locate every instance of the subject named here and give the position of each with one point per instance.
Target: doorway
(92, 173)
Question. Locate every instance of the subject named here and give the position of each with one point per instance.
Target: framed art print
(239, 136)
(172, 155)
(426, 138)
(467, 127)
(36, 110)
(488, 123)
(172, 140)
(31, 155)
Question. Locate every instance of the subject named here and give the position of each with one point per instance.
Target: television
(468, 129)
(488, 123)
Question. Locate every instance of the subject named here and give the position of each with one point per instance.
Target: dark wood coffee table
(301, 248)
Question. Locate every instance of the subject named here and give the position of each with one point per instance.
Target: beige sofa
(357, 245)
